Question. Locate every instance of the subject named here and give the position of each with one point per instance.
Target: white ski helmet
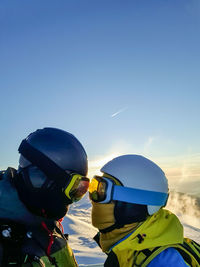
(140, 173)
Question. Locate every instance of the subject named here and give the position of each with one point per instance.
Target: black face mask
(52, 206)
(126, 213)
(41, 195)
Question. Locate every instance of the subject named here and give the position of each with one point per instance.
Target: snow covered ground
(78, 225)
(81, 232)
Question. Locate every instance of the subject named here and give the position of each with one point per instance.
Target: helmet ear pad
(126, 213)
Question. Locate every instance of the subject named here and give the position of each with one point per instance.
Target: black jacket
(25, 237)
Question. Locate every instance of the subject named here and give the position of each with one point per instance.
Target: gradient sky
(122, 76)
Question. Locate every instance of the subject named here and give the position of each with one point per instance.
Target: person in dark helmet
(134, 228)
(33, 199)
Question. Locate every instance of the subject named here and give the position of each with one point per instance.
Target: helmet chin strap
(111, 228)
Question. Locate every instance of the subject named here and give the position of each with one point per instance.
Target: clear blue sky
(75, 64)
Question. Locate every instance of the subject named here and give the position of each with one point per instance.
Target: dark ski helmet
(49, 159)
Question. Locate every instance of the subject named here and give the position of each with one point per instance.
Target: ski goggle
(100, 189)
(77, 187)
(104, 190)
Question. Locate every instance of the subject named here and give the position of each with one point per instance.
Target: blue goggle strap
(139, 196)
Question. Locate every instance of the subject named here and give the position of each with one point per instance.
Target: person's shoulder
(2, 172)
(10, 172)
(169, 257)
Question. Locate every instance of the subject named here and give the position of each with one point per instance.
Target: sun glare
(96, 164)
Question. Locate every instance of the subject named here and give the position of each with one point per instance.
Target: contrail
(119, 111)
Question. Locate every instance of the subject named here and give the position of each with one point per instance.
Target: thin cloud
(148, 144)
(118, 112)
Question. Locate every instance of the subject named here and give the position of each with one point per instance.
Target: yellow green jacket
(163, 229)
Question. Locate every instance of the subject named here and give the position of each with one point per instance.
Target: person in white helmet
(128, 209)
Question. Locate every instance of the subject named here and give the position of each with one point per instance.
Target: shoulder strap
(192, 247)
(189, 253)
(144, 257)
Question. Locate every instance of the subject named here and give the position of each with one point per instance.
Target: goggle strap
(45, 164)
(139, 196)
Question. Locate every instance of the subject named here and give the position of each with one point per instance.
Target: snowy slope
(84, 247)
(78, 225)
(81, 232)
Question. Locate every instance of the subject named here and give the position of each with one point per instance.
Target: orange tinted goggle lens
(97, 189)
(79, 189)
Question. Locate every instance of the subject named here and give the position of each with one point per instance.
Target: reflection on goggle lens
(97, 189)
(77, 187)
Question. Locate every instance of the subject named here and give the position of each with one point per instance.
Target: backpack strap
(194, 245)
(191, 249)
(188, 252)
(144, 257)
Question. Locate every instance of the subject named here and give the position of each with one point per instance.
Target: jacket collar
(162, 228)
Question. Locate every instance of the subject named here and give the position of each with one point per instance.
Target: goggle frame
(70, 186)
